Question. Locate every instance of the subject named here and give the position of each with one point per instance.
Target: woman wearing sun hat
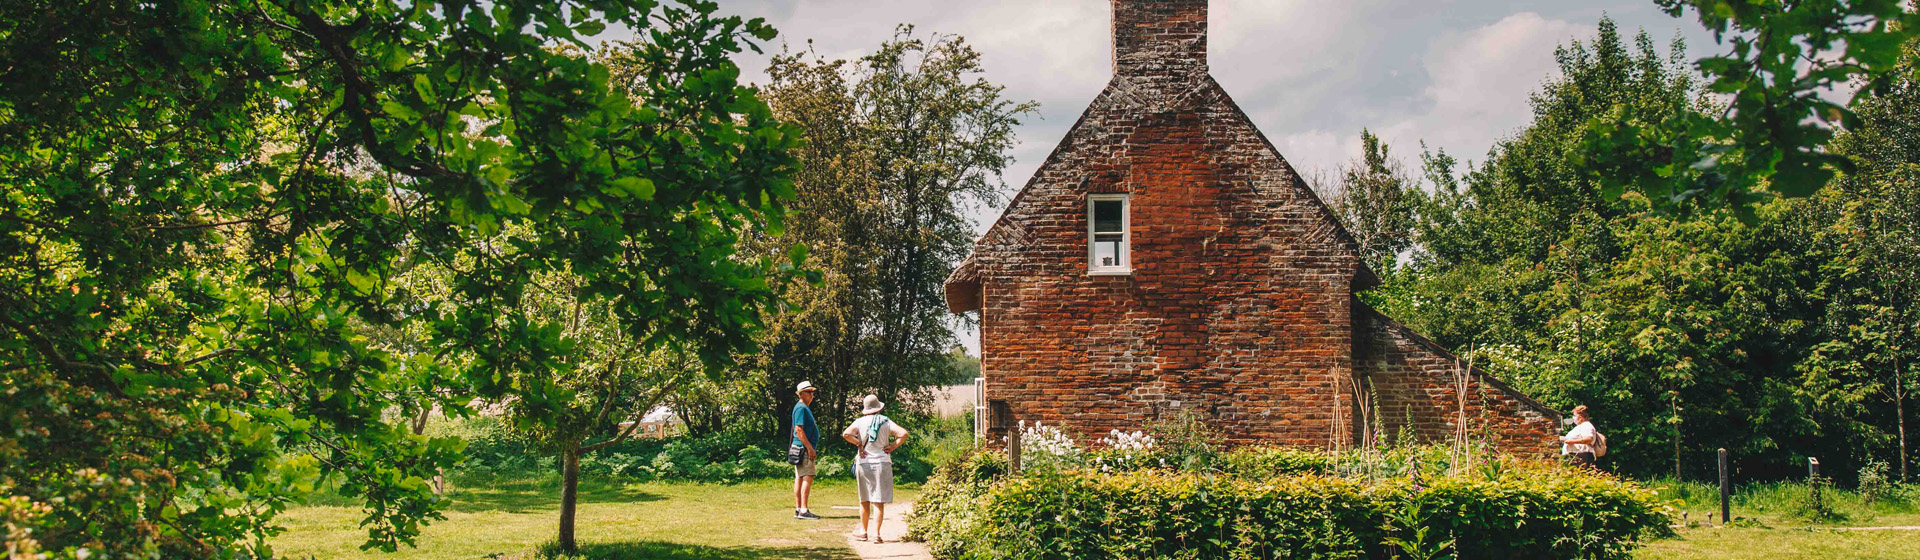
(876, 436)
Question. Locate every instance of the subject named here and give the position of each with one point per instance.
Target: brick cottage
(1165, 256)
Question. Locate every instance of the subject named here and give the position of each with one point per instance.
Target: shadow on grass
(536, 494)
(652, 550)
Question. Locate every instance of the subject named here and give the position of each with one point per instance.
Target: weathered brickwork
(1415, 385)
(1240, 302)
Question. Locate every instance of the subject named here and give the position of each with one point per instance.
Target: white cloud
(1480, 81)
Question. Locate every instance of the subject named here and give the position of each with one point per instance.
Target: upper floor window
(1108, 234)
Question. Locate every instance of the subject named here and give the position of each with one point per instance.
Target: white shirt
(1585, 429)
(876, 449)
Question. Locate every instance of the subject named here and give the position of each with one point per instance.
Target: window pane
(1107, 215)
(1107, 252)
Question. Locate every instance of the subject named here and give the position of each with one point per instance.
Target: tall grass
(1782, 501)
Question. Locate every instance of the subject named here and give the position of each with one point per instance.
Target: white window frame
(1126, 236)
(979, 409)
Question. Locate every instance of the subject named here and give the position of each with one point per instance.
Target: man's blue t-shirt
(803, 417)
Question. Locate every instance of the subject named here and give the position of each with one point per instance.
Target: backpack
(1599, 445)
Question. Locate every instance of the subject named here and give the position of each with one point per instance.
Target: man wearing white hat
(876, 437)
(802, 453)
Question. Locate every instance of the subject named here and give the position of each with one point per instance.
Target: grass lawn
(1783, 544)
(1778, 533)
(510, 519)
(667, 521)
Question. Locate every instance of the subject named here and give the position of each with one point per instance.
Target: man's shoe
(805, 515)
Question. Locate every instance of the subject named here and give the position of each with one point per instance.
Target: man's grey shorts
(805, 468)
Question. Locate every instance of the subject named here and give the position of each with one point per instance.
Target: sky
(1454, 74)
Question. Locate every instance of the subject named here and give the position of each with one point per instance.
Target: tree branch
(640, 412)
(178, 227)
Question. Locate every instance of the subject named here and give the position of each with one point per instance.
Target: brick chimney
(1164, 39)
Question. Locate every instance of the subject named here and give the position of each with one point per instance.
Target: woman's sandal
(878, 540)
(862, 537)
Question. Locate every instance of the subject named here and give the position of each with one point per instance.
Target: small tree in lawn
(605, 380)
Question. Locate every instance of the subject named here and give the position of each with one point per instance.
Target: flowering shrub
(1127, 441)
(1046, 447)
(1124, 451)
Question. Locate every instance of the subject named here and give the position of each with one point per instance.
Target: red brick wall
(1238, 303)
(1413, 386)
(1160, 37)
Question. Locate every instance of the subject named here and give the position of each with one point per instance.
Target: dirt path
(891, 530)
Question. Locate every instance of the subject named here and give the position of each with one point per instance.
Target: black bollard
(1726, 489)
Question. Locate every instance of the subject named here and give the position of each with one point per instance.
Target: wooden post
(1726, 490)
(1003, 419)
(1814, 484)
(1013, 451)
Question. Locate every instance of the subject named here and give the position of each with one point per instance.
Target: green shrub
(1152, 514)
(1528, 512)
(1406, 461)
(1538, 512)
(1185, 440)
(1874, 486)
(1264, 462)
(495, 449)
(945, 516)
(1817, 505)
(938, 441)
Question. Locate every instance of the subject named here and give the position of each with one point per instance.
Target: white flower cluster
(1046, 440)
(1127, 441)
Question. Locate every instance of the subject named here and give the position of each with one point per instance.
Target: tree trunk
(1900, 412)
(1676, 440)
(420, 428)
(569, 497)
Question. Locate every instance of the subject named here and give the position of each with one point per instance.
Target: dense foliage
(1374, 197)
(900, 144)
(1784, 62)
(1507, 509)
(1778, 338)
(211, 209)
(496, 449)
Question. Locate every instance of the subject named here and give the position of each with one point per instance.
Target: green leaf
(638, 187)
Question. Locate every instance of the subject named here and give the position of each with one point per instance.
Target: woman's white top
(876, 448)
(1585, 429)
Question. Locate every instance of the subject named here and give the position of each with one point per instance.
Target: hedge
(1530, 512)
(946, 514)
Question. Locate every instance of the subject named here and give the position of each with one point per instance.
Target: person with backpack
(1583, 443)
(876, 437)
